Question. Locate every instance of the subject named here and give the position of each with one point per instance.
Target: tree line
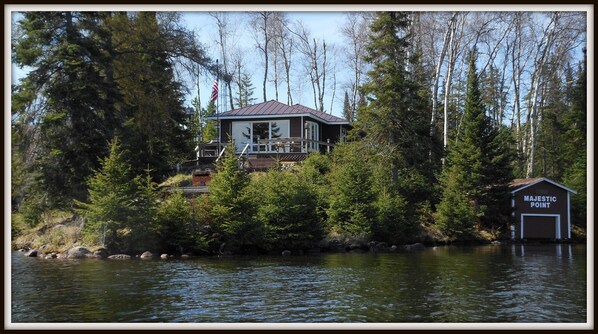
(100, 76)
(525, 60)
(95, 76)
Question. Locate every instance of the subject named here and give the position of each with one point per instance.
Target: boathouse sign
(542, 202)
(541, 209)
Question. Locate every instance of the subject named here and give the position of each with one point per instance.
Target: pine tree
(231, 210)
(393, 118)
(315, 170)
(111, 200)
(155, 118)
(245, 92)
(209, 130)
(351, 208)
(175, 218)
(476, 178)
(95, 75)
(347, 109)
(576, 147)
(144, 224)
(68, 98)
(287, 209)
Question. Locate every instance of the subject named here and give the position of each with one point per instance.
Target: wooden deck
(269, 146)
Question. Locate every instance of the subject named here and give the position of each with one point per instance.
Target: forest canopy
(442, 104)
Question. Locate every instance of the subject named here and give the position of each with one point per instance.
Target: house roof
(520, 184)
(275, 109)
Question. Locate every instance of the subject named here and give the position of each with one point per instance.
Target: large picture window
(259, 134)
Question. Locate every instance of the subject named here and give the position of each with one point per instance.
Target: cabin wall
(539, 207)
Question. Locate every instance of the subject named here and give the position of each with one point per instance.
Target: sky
(323, 25)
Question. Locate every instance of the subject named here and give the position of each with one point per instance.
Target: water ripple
(476, 284)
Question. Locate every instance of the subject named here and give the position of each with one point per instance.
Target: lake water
(510, 283)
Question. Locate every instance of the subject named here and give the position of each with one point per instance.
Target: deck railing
(276, 145)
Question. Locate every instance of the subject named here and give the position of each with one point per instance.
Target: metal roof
(277, 109)
(520, 184)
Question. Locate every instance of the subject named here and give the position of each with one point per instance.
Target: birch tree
(545, 42)
(261, 23)
(456, 24)
(226, 31)
(355, 31)
(316, 61)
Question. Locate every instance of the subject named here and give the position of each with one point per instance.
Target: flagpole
(218, 106)
(199, 132)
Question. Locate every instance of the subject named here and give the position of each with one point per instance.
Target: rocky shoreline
(80, 252)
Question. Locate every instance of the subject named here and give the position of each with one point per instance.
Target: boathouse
(541, 209)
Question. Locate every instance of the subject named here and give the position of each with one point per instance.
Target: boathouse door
(539, 226)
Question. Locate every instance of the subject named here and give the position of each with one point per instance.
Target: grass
(58, 231)
(179, 180)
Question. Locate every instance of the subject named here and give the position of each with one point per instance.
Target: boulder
(147, 255)
(32, 253)
(78, 252)
(119, 257)
(185, 256)
(286, 252)
(394, 248)
(51, 256)
(378, 247)
(495, 242)
(101, 253)
(164, 256)
(415, 247)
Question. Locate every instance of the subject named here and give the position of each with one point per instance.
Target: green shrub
(351, 208)
(287, 210)
(174, 221)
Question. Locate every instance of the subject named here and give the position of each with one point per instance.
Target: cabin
(541, 209)
(273, 131)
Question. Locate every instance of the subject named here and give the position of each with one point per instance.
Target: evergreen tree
(576, 179)
(396, 219)
(476, 178)
(144, 224)
(393, 118)
(112, 195)
(287, 209)
(348, 109)
(175, 219)
(155, 118)
(315, 170)
(351, 208)
(575, 151)
(209, 130)
(231, 211)
(68, 96)
(245, 92)
(95, 75)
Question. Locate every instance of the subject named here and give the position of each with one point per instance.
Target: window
(312, 134)
(259, 134)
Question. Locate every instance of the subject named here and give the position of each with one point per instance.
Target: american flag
(214, 96)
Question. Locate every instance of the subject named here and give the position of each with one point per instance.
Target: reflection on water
(515, 283)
